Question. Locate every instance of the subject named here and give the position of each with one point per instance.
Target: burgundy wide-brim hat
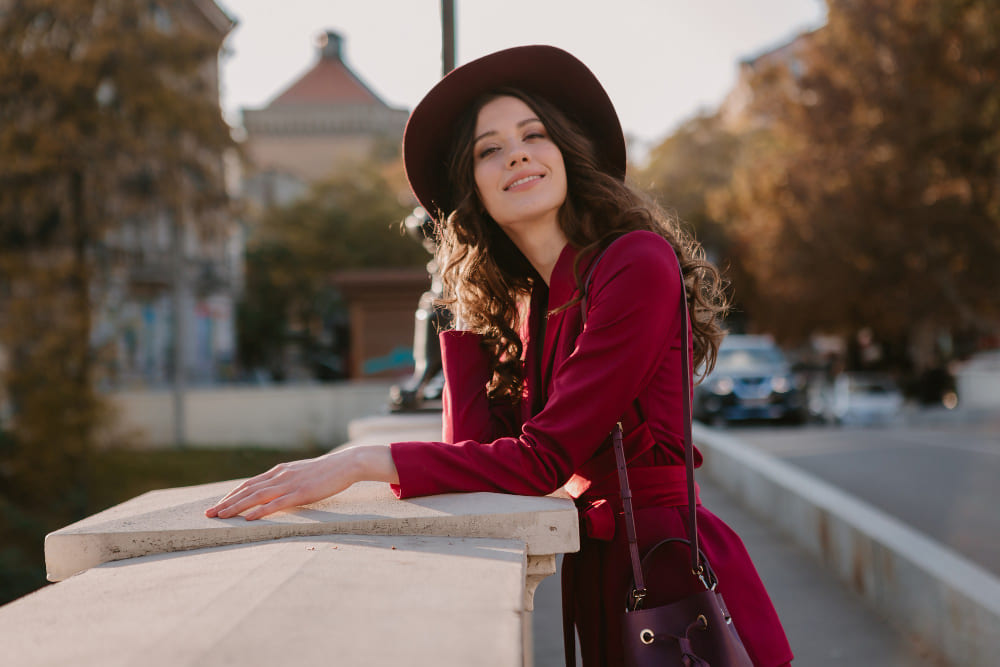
(545, 71)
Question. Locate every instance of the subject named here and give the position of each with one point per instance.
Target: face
(519, 171)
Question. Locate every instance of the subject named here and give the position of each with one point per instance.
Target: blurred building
(325, 118)
(135, 318)
(737, 112)
(324, 121)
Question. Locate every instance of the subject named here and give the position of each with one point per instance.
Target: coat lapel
(562, 288)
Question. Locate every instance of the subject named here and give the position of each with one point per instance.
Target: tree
(874, 201)
(108, 114)
(684, 174)
(350, 221)
(685, 169)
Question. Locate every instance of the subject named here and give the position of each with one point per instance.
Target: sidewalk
(826, 623)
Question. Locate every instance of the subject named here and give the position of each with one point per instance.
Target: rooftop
(329, 82)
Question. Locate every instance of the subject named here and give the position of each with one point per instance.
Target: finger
(257, 480)
(229, 499)
(280, 503)
(250, 498)
(295, 495)
(247, 486)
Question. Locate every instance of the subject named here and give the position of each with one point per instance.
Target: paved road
(941, 478)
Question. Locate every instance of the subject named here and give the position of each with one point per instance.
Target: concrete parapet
(343, 600)
(173, 520)
(917, 584)
(361, 578)
(386, 429)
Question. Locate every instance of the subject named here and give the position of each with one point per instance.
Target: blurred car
(865, 398)
(752, 380)
(978, 381)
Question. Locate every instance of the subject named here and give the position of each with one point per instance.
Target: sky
(661, 61)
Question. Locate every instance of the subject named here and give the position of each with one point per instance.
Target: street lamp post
(447, 36)
(178, 319)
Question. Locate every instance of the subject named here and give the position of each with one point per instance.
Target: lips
(521, 180)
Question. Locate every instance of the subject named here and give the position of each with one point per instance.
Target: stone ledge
(402, 426)
(173, 520)
(345, 599)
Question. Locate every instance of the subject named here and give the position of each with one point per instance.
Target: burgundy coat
(623, 365)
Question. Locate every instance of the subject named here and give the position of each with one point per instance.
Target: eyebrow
(487, 133)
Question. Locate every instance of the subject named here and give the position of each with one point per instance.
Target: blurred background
(201, 207)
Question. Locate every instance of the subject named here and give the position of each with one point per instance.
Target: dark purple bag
(697, 630)
(694, 631)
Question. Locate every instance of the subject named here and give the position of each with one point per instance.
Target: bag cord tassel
(688, 657)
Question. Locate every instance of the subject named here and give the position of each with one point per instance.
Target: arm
(303, 482)
(632, 317)
(467, 412)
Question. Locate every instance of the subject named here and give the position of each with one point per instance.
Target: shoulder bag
(696, 631)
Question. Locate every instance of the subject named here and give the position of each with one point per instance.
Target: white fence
(280, 416)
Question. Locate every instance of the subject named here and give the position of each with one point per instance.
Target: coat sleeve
(631, 317)
(467, 412)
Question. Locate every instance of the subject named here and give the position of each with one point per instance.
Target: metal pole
(177, 324)
(447, 36)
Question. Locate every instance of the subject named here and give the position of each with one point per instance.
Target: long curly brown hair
(488, 280)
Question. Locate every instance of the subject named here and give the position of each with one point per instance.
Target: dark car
(752, 380)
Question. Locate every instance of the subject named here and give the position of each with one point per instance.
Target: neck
(541, 245)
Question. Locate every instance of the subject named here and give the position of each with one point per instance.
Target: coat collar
(562, 283)
(562, 288)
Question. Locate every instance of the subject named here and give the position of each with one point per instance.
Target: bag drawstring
(688, 657)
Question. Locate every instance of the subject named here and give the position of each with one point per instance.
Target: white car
(866, 398)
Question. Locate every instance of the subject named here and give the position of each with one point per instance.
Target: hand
(303, 482)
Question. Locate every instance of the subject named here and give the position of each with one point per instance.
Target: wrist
(372, 463)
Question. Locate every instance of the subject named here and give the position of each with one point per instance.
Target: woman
(521, 159)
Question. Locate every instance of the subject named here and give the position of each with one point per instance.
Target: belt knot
(598, 520)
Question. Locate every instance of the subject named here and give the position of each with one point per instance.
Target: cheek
(562, 175)
(555, 159)
(480, 178)
(484, 189)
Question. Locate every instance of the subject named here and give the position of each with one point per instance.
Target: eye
(486, 152)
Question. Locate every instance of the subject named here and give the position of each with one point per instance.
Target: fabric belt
(656, 486)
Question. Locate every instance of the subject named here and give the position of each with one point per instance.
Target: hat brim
(546, 71)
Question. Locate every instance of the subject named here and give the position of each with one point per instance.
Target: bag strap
(639, 585)
(697, 568)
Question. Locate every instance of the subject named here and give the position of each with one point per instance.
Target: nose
(517, 156)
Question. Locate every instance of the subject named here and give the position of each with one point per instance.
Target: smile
(522, 181)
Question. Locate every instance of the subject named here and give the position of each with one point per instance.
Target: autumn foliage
(852, 182)
(108, 113)
(873, 197)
